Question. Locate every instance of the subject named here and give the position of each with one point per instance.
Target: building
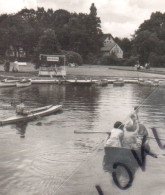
(111, 47)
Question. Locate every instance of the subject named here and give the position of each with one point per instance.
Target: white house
(111, 47)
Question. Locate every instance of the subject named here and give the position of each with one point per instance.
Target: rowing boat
(103, 82)
(118, 82)
(33, 114)
(24, 83)
(80, 82)
(8, 83)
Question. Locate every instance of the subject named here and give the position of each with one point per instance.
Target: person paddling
(116, 136)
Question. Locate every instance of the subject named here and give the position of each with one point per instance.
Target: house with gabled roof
(111, 47)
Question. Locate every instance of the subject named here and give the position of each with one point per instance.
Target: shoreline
(90, 72)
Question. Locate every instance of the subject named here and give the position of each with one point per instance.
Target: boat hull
(26, 84)
(8, 84)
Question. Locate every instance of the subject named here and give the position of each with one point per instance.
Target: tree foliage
(30, 30)
(149, 40)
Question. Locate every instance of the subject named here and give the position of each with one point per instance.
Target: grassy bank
(90, 71)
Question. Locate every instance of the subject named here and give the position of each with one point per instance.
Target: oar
(90, 132)
(106, 132)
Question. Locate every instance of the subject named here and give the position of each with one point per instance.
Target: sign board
(52, 59)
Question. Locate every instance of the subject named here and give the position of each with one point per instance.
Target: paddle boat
(23, 83)
(32, 114)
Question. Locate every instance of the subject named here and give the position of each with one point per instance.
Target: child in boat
(116, 136)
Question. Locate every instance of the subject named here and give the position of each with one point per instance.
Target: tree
(126, 46)
(48, 43)
(149, 40)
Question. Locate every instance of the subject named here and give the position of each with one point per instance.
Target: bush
(73, 57)
(156, 60)
(91, 59)
(132, 61)
(111, 60)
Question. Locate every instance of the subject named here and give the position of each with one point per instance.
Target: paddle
(90, 132)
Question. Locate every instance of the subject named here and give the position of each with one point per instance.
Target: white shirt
(115, 137)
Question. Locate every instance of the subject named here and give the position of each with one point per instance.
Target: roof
(109, 47)
(106, 35)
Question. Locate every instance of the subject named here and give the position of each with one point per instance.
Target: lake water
(46, 157)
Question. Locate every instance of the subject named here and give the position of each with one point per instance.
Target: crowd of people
(128, 135)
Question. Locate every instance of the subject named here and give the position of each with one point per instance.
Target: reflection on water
(51, 152)
(21, 128)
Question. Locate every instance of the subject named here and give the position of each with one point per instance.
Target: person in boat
(131, 129)
(20, 108)
(134, 132)
(116, 136)
(15, 66)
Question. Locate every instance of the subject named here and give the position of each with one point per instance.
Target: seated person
(20, 108)
(131, 129)
(115, 139)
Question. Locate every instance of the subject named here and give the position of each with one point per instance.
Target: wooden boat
(33, 114)
(102, 82)
(24, 83)
(8, 83)
(119, 153)
(118, 82)
(43, 81)
(124, 156)
(10, 80)
(80, 82)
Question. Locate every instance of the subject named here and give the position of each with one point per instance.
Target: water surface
(43, 156)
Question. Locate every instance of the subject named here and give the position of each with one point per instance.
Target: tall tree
(48, 43)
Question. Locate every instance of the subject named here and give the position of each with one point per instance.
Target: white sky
(119, 17)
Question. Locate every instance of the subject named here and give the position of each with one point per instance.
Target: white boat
(118, 82)
(102, 82)
(7, 84)
(80, 82)
(24, 83)
(43, 81)
(33, 114)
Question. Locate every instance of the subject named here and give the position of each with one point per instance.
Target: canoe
(10, 81)
(23, 83)
(33, 114)
(7, 84)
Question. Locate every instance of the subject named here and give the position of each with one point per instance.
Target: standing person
(116, 136)
(7, 66)
(15, 66)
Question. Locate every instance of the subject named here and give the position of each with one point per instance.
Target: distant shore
(90, 71)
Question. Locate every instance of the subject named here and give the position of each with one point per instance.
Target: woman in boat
(116, 136)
